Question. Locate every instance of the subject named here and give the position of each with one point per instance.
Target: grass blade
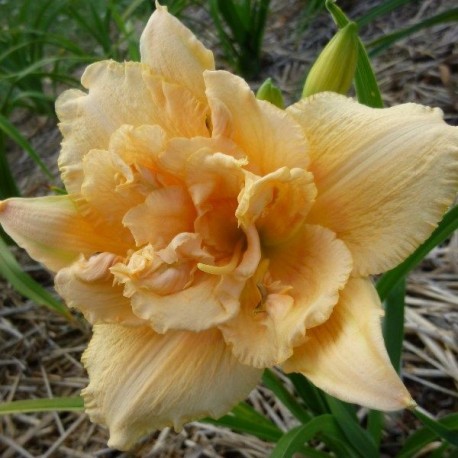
(268, 433)
(274, 384)
(25, 284)
(375, 423)
(383, 8)
(358, 437)
(8, 187)
(243, 410)
(293, 440)
(379, 45)
(310, 395)
(393, 323)
(18, 138)
(366, 85)
(246, 419)
(64, 404)
(440, 430)
(425, 435)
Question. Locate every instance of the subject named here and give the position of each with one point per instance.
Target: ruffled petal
(295, 288)
(384, 176)
(165, 213)
(178, 110)
(109, 190)
(53, 232)
(278, 202)
(268, 135)
(346, 356)
(138, 146)
(88, 286)
(120, 94)
(211, 168)
(174, 53)
(141, 381)
(180, 287)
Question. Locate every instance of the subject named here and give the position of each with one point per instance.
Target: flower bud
(335, 66)
(268, 91)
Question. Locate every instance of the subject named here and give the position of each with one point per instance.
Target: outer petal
(384, 176)
(174, 52)
(295, 291)
(346, 356)
(269, 136)
(119, 94)
(88, 286)
(141, 381)
(53, 232)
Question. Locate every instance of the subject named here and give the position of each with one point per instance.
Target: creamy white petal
(141, 381)
(53, 232)
(174, 52)
(346, 356)
(384, 176)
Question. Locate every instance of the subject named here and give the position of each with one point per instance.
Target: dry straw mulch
(40, 351)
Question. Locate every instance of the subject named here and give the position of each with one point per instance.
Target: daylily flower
(208, 235)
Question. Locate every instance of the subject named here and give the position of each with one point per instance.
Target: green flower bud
(335, 66)
(268, 91)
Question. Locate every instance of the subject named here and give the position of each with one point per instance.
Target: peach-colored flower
(208, 235)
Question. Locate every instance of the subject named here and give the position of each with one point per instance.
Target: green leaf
(8, 186)
(393, 323)
(17, 137)
(274, 384)
(392, 278)
(293, 440)
(375, 423)
(64, 404)
(270, 434)
(25, 284)
(240, 26)
(424, 436)
(383, 8)
(380, 44)
(310, 394)
(439, 429)
(367, 90)
(244, 418)
(358, 437)
(244, 411)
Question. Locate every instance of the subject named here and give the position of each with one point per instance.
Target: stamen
(260, 307)
(227, 268)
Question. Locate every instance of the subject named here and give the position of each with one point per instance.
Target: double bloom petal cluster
(208, 235)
